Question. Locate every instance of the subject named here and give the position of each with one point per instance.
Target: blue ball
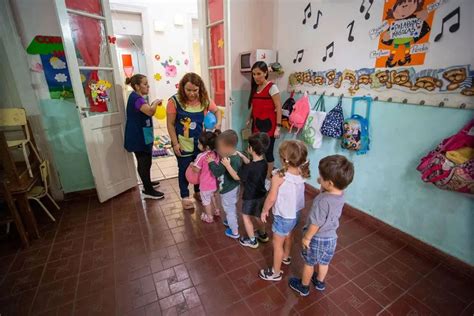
(210, 121)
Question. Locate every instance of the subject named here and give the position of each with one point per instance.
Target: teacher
(185, 119)
(265, 109)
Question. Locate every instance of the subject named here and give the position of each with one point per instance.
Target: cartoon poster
(405, 32)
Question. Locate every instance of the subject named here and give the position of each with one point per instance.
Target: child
(286, 196)
(253, 175)
(319, 240)
(207, 181)
(228, 187)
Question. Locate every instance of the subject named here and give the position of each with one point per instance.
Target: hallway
(129, 257)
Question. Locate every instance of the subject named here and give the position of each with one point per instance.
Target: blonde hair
(293, 153)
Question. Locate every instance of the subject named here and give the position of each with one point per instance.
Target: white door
(89, 46)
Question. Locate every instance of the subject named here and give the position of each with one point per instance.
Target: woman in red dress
(265, 108)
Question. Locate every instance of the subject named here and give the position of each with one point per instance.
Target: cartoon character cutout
(102, 86)
(408, 25)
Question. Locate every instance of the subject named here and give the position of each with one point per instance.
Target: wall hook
(405, 101)
(422, 102)
(389, 100)
(376, 98)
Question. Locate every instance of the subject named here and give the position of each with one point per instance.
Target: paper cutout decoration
(186, 62)
(220, 43)
(127, 65)
(167, 82)
(99, 95)
(53, 64)
(177, 86)
(157, 57)
(170, 59)
(178, 63)
(170, 70)
(157, 77)
(112, 39)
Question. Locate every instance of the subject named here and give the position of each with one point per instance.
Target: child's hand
(209, 158)
(305, 243)
(225, 162)
(264, 216)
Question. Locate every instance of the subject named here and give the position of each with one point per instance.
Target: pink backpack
(300, 113)
(436, 167)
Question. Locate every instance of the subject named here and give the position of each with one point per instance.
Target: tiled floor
(163, 167)
(129, 257)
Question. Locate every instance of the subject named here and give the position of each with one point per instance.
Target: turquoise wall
(64, 133)
(387, 185)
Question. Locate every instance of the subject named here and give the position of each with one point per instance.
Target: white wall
(170, 43)
(251, 27)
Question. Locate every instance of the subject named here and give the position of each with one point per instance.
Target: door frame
(202, 16)
(147, 30)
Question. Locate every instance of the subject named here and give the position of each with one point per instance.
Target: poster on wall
(407, 51)
(54, 65)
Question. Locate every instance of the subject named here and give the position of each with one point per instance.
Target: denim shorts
(320, 251)
(283, 226)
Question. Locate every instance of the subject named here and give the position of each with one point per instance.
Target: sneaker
(268, 275)
(187, 203)
(318, 285)
(155, 195)
(262, 237)
(247, 242)
(296, 285)
(286, 261)
(228, 233)
(225, 223)
(155, 183)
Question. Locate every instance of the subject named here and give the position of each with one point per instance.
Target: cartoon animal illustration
(404, 12)
(186, 124)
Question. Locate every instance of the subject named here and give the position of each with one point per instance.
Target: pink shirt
(207, 181)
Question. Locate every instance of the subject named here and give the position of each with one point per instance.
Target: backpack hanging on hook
(286, 110)
(332, 125)
(300, 113)
(356, 129)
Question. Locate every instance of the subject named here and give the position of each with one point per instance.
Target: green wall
(387, 185)
(63, 130)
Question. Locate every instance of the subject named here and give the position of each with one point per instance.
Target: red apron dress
(263, 112)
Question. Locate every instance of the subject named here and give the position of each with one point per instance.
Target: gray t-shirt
(325, 214)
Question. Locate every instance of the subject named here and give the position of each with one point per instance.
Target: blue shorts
(320, 251)
(283, 226)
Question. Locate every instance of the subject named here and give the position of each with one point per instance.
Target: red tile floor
(129, 257)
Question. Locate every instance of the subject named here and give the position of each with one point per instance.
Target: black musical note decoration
(362, 8)
(330, 46)
(299, 56)
(453, 28)
(307, 12)
(315, 26)
(350, 37)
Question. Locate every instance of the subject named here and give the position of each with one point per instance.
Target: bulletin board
(407, 51)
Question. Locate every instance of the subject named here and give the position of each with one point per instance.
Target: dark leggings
(269, 154)
(183, 164)
(143, 168)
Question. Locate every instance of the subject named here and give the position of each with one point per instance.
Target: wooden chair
(14, 216)
(38, 192)
(16, 117)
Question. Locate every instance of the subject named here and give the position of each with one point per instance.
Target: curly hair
(293, 153)
(196, 80)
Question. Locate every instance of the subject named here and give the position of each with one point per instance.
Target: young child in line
(253, 175)
(207, 181)
(286, 197)
(320, 237)
(228, 186)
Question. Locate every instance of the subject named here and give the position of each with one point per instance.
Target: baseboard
(79, 194)
(428, 250)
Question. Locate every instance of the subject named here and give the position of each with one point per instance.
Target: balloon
(210, 121)
(160, 113)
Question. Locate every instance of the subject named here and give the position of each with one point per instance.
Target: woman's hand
(177, 150)
(277, 132)
(157, 102)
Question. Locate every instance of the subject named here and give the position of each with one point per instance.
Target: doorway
(149, 44)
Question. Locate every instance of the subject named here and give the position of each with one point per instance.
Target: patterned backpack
(300, 113)
(356, 129)
(332, 125)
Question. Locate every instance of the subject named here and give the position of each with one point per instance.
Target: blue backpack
(356, 129)
(332, 125)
